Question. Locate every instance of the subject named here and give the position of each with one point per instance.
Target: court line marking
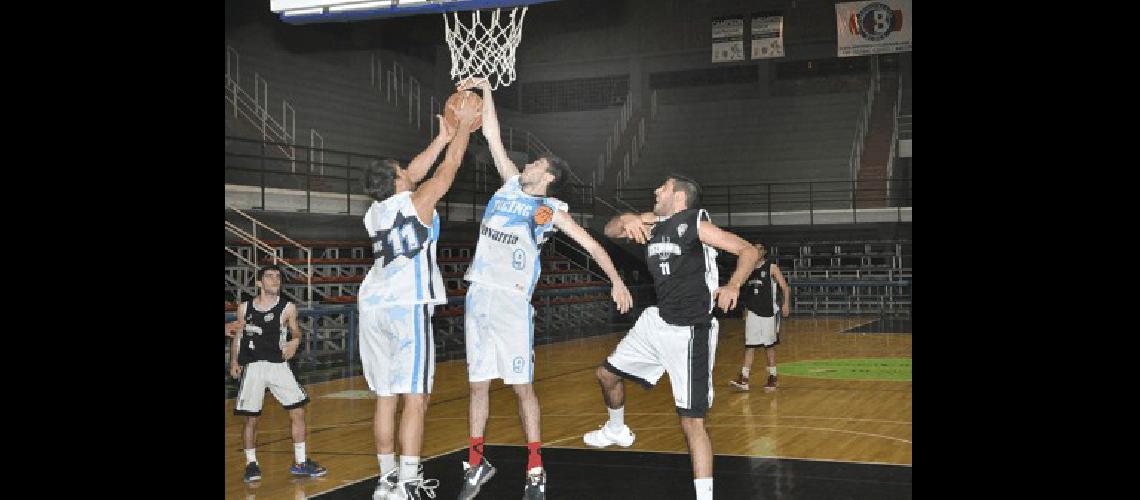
(368, 420)
(600, 414)
(825, 429)
(628, 414)
(626, 450)
(350, 483)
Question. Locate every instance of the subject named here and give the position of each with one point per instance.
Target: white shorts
(499, 331)
(259, 375)
(760, 331)
(397, 350)
(653, 347)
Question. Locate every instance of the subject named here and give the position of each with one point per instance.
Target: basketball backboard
(320, 11)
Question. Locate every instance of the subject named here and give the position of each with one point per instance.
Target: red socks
(534, 459)
(475, 453)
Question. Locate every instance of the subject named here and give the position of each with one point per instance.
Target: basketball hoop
(485, 47)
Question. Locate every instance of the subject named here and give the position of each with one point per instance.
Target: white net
(485, 47)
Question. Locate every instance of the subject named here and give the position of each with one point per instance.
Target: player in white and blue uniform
(397, 298)
(498, 316)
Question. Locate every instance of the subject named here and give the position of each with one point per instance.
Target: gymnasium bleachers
(741, 141)
(848, 277)
(566, 298)
(335, 94)
(575, 136)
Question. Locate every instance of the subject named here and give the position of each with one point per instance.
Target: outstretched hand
(471, 83)
(446, 131)
(634, 228)
(467, 114)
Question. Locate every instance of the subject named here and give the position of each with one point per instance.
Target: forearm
(745, 263)
(491, 131)
(420, 165)
(455, 151)
(235, 346)
(599, 254)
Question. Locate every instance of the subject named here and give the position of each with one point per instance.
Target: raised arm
(431, 190)
(745, 263)
(619, 292)
(630, 225)
(420, 165)
(503, 163)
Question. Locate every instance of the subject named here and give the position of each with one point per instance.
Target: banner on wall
(873, 27)
(727, 39)
(767, 36)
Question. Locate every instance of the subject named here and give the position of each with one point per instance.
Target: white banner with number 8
(873, 27)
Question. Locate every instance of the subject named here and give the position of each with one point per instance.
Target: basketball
(467, 99)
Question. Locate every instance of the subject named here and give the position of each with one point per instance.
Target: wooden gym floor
(820, 419)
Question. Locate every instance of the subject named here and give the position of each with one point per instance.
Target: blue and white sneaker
(252, 472)
(308, 469)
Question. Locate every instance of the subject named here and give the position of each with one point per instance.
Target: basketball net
(485, 47)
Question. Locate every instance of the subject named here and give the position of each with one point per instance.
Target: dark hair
(380, 178)
(270, 267)
(690, 187)
(559, 169)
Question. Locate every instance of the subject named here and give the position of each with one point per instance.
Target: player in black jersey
(761, 321)
(678, 336)
(259, 357)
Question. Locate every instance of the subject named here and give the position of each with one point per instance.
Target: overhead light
(304, 12)
(358, 6)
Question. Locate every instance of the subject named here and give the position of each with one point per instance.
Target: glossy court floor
(839, 425)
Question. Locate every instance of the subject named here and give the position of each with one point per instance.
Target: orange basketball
(543, 215)
(468, 100)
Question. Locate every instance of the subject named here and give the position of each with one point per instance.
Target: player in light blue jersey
(498, 320)
(397, 298)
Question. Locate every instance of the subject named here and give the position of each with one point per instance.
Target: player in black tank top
(678, 238)
(759, 300)
(680, 266)
(269, 337)
(263, 336)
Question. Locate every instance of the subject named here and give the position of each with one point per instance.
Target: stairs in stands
(871, 186)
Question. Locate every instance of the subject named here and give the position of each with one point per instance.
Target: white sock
(771, 370)
(745, 371)
(617, 418)
(299, 453)
(409, 467)
(250, 457)
(704, 488)
(387, 462)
